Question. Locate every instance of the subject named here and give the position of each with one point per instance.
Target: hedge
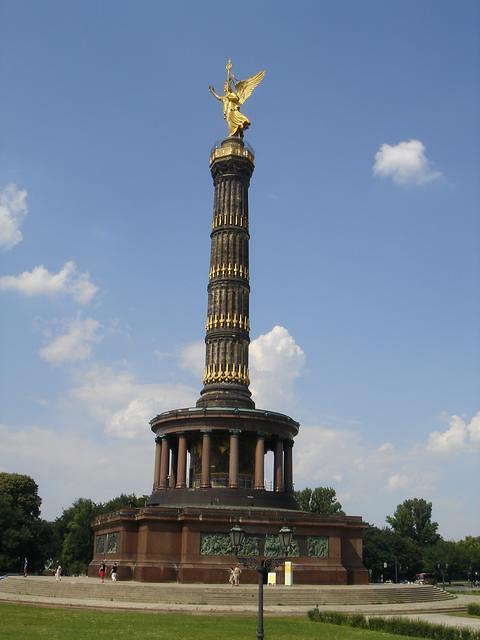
(397, 626)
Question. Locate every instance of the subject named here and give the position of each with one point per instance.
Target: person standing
(236, 575)
(25, 567)
(114, 572)
(58, 573)
(101, 571)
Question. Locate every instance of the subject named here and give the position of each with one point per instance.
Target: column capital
(234, 432)
(158, 440)
(206, 432)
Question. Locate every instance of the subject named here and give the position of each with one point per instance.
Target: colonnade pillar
(205, 476)
(278, 465)
(172, 478)
(182, 462)
(259, 462)
(233, 459)
(288, 465)
(163, 464)
(177, 478)
(156, 471)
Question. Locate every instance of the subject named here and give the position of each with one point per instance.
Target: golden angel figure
(234, 97)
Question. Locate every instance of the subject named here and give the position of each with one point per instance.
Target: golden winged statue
(234, 97)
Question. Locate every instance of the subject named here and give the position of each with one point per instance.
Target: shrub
(474, 609)
(397, 626)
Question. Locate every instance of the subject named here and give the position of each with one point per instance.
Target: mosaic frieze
(218, 544)
(317, 546)
(107, 543)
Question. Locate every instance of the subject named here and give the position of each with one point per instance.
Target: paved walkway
(448, 620)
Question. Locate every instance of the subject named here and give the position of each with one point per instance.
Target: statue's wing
(244, 88)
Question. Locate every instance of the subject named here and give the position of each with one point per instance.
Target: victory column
(209, 471)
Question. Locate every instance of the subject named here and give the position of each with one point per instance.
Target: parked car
(425, 578)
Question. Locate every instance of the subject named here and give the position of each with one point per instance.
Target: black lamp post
(262, 564)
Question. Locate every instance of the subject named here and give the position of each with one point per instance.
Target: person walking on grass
(114, 572)
(101, 571)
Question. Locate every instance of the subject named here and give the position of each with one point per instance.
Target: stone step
(222, 595)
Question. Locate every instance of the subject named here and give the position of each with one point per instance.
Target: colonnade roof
(235, 410)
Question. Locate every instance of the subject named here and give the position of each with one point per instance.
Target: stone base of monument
(192, 544)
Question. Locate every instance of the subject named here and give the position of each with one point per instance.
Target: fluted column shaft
(182, 462)
(172, 479)
(288, 465)
(227, 338)
(164, 464)
(260, 462)
(205, 475)
(156, 472)
(233, 459)
(278, 466)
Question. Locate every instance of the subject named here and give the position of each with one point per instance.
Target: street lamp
(237, 534)
(260, 563)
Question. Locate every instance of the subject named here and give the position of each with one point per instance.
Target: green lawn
(23, 622)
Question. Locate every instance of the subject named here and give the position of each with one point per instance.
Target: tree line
(67, 540)
(408, 544)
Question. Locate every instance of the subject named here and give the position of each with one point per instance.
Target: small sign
(288, 574)
(272, 578)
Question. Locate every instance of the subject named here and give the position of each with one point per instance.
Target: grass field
(23, 622)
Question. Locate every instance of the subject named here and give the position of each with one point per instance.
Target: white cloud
(122, 404)
(13, 209)
(76, 461)
(473, 430)
(457, 437)
(67, 464)
(276, 360)
(192, 357)
(405, 163)
(386, 446)
(73, 345)
(397, 481)
(40, 282)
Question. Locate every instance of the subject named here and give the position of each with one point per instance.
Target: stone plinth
(191, 544)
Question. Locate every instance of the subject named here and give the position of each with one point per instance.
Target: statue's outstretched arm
(215, 95)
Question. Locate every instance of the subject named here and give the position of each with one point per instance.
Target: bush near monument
(396, 626)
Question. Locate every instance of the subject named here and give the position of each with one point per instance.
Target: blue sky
(364, 251)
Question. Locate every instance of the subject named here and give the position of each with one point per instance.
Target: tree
(382, 546)
(413, 519)
(77, 547)
(19, 522)
(123, 500)
(319, 500)
(73, 529)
